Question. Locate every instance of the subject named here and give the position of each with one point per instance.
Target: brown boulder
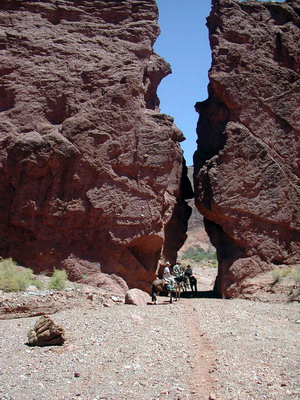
(46, 333)
(137, 297)
(247, 170)
(90, 169)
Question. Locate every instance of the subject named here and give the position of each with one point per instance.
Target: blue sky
(183, 42)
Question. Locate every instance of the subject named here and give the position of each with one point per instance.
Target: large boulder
(247, 164)
(90, 168)
(137, 297)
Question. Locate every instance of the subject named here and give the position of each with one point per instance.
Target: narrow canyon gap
(247, 162)
(92, 174)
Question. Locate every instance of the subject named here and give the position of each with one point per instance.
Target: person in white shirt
(167, 273)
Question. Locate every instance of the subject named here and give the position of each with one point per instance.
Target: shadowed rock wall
(91, 172)
(247, 163)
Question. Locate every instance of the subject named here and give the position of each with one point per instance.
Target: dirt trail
(200, 380)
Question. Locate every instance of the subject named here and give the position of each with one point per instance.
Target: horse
(181, 282)
(160, 285)
(173, 287)
(193, 284)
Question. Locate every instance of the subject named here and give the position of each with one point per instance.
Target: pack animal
(193, 284)
(173, 287)
(181, 283)
(158, 286)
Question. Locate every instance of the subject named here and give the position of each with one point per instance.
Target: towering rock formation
(91, 172)
(247, 162)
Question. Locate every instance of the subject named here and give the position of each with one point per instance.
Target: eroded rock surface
(90, 169)
(247, 162)
(46, 333)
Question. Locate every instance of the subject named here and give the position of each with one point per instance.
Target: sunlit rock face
(247, 162)
(91, 172)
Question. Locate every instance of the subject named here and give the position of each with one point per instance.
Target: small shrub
(58, 280)
(38, 284)
(13, 279)
(276, 275)
(296, 275)
(286, 271)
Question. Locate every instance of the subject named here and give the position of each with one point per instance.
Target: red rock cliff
(91, 172)
(247, 162)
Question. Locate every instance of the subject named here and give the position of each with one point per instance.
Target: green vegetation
(199, 255)
(58, 280)
(14, 278)
(17, 279)
(276, 275)
(286, 271)
(296, 275)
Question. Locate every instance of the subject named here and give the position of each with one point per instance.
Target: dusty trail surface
(198, 348)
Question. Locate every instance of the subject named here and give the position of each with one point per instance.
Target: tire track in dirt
(201, 383)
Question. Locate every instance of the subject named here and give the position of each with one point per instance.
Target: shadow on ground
(209, 294)
(200, 294)
(206, 294)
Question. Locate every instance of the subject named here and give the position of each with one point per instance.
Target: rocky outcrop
(247, 162)
(90, 169)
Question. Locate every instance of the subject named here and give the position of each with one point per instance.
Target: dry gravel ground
(198, 348)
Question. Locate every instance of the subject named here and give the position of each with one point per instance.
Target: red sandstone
(91, 172)
(247, 162)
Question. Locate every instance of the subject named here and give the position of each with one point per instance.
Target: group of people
(176, 271)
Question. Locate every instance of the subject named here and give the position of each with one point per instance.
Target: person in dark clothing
(193, 281)
(188, 271)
